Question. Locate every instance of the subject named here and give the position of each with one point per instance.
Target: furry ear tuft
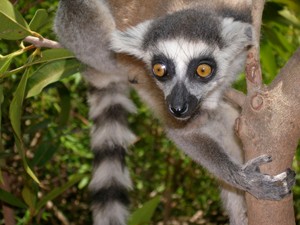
(237, 34)
(131, 40)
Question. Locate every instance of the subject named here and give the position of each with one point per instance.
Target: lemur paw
(264, 186)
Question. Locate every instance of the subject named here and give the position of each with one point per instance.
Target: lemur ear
(237, 34)
(130, 41)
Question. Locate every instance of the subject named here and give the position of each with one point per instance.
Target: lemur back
(180, 55)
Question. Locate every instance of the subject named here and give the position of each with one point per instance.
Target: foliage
(44, 148)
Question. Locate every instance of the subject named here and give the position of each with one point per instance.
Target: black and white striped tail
(85, 27)
(110, 137)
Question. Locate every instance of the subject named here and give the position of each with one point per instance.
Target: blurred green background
(45, 130)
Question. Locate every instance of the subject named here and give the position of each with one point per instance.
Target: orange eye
(204, 70)
(159, 70)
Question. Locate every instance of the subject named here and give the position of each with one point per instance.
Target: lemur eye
(204, 70)
(159, 70)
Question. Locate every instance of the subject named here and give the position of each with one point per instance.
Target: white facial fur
(181, 52)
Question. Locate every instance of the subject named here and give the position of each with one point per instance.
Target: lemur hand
(264, 186)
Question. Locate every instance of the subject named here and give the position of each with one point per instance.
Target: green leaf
(25, 164)
(65, 103)
(52, 55)
(39, 19)
(283, 40)
(11, 30)
(15, 109)
(29, 197)
(5, 63)
(277, 42)
(13, 26)
(8, 9)
(11, 199)
(50, 73)
(39, 126)
(44, 153)
(48, 55)
(15, 113)
(58, 191)
(290, 17)
(84, 182)
(143, 215)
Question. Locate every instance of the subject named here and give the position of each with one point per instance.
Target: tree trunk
(270, 124)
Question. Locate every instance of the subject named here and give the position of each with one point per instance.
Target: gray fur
(200, 31)
(190, 24)
(74, 17)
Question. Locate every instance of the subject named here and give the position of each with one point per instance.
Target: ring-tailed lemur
(186, 53)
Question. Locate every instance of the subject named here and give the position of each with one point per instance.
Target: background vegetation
(45, 131)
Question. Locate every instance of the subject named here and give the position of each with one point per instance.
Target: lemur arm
(207, 152)
(84, 27)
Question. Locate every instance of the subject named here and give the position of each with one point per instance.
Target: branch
(273, 128)
(290, 74)
(270, 124)
(235, 96)
(253, 69)
(42, 42)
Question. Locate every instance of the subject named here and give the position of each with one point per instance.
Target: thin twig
(60, 216)
(235, 96)
(42, 42)
(257, 12)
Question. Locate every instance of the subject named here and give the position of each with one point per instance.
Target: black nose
(179, 111)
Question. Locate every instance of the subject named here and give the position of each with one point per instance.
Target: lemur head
(193, 56)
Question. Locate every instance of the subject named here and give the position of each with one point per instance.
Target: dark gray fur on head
(189, 24)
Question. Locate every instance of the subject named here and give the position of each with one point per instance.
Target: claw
(287, 180)
(291, 177)
(281, 176)
(290, 172)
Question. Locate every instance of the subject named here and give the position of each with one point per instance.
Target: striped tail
(84, 27)
(110, 137)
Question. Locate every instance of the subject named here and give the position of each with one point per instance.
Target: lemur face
(192, 56)
(186, 72)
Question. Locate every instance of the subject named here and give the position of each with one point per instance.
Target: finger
(253, 164)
